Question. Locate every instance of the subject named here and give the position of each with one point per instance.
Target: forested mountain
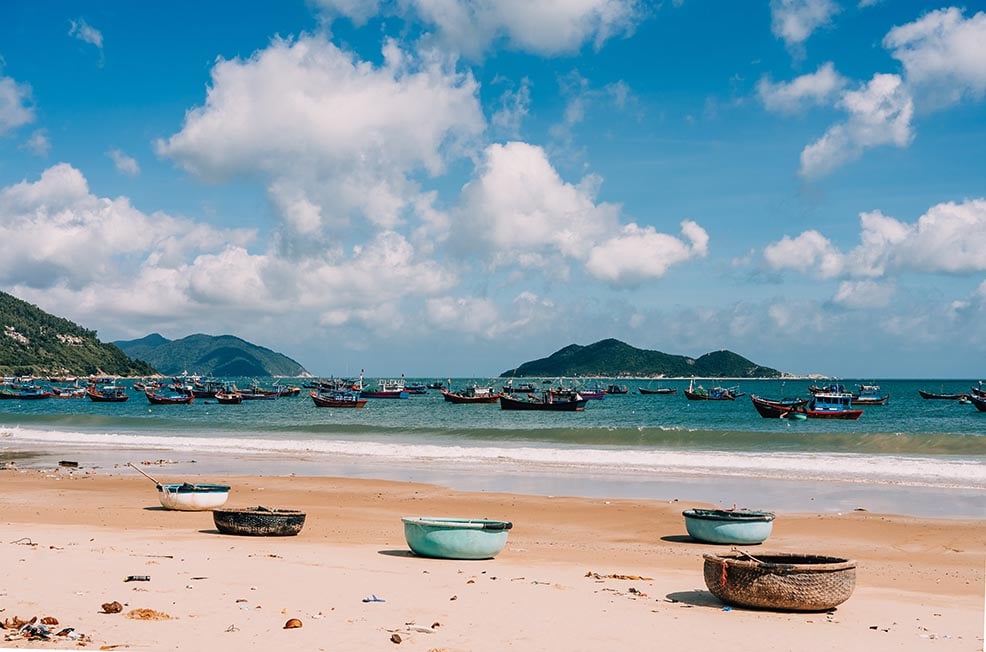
(211, 355)
(612, 358)
(33, 342)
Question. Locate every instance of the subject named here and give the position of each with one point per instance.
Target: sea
(910, 456)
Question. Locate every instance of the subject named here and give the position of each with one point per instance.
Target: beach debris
(147, 614)
(454, 597)
(138, 578)
(293, 623)
(373, 598)
(616, 576)
(157, 462)
(112, 607)
(232, 628)
(68, 464)
(49, 620)
(395, 638)
(24, 541)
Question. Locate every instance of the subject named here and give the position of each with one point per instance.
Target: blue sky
(454, 187)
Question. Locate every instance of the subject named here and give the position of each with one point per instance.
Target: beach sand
(71, 537)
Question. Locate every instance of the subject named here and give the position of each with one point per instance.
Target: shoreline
(799, 495)
(919, 583)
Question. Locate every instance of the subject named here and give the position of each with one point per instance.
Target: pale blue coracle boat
(455, 538)
(737, 526)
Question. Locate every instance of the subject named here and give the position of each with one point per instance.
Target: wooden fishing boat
(24, 394)
(107, 393)
(979, 402)
(259, 521)
(783, 581)
(832, 405)
(229, 398)
(661, 391)
(941, 397)
(522, 388)
(386, 389)
(472, 394)
(617, 389)
(338, 399)
(176, 398)
(546, 403)
(68, 392)
(257, 393)
(736, 526)
(870, 395)
(717, 393)
(455, 538)
(779, 408)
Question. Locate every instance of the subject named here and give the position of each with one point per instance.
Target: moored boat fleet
(828, 401)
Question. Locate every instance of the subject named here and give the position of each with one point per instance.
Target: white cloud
(949, 239)
(879, 114)
(53, 231)
(944, 55)
(15, 108)
(641, 253)
(863, 294)
(817, 88)
(87, 34)
(124, 164)
(795, 20)
(519, 212)
(514, 107)
(38, 144)
(466, 316)
(321, 125)
(545, 28)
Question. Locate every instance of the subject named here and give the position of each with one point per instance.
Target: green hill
(612, 358)
(33, 342)
(209, 355)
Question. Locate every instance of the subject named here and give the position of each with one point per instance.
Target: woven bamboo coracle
(782, 581)
(259, 521)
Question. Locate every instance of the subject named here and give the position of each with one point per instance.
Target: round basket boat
(259, 521)
(736, 526)
(189, 497)
(455, 538)
(787, 582)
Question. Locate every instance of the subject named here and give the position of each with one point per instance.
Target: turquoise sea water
(908, 442)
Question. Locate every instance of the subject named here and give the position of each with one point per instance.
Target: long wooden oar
(141, 471)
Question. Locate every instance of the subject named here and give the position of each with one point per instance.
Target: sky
(454, 187)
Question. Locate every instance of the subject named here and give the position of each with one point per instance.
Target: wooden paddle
(141, 471)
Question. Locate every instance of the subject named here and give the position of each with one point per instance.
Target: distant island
(36, 343)
(210, 355)
(612, 358)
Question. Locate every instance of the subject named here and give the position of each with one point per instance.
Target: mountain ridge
(211, 355)
(612, 358)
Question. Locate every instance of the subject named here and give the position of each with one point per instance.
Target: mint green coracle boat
(455, 538)
(736, 526)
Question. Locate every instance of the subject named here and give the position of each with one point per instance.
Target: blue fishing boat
(832, 405)
(870, 395)
(455, 538)
(736, 526)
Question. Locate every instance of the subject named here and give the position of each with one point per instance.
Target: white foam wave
(609, 462)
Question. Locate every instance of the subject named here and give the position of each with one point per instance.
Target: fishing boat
(436, 385)
(522, 388)
(173, 398)
(228, 397)
(568, 393)
(941, 397)
(832, 405)
(387, 389)
(870, 395)
(717, 393)
(617, 389)
(546, 402)
(416, 388)
(257, 393)
(187, 496)
(25, 393)
(107, 393)
(455, 538)
(338, 399)
(779, 408)
(472, 394)
(259, 521)
(979, 402)
(660, 391)
(68, 392)
(736, 526)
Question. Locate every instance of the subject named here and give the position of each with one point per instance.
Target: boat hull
(455, 397)
(455, 538)
(508, 403)
(99, 397)
(979, 402)
(662, 391)
(186, 497)
(335, 402)
(942, 397)
(259, 521)
(738, 526)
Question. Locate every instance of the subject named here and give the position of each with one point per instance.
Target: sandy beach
(71, 537)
